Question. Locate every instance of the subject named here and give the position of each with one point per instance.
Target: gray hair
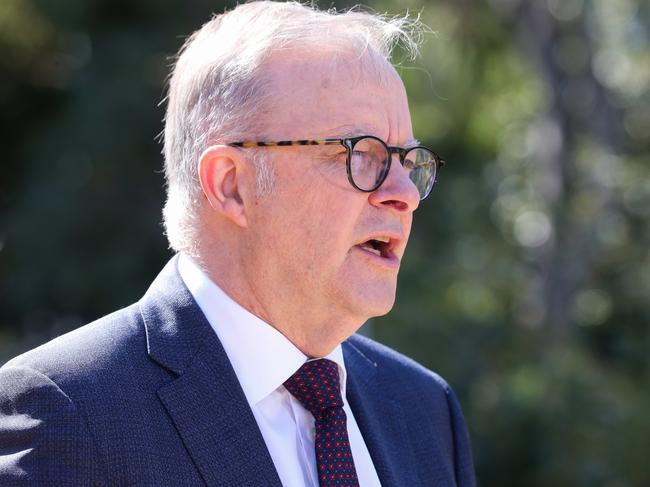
(217, 88)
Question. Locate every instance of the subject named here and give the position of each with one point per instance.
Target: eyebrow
(345, 131)
(354, 131)
(412, 142)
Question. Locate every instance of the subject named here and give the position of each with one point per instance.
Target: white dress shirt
(263, 360)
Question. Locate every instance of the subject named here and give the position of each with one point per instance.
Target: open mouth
(379, 246)
(381, 250)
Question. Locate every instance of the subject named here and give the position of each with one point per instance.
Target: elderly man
(292, 176)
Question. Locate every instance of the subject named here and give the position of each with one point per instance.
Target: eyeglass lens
(369, 161)
(421, 164)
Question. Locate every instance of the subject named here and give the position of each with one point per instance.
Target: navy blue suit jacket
(147, 397)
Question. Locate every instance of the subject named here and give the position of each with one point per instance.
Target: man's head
(282, 229)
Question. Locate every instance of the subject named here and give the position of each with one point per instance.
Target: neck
(313, 332)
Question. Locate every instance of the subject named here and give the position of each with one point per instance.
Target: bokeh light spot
(532, 228)
(592, 307)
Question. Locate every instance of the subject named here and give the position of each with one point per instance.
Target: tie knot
(316, 386)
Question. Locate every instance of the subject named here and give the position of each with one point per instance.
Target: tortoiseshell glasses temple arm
(248, 144)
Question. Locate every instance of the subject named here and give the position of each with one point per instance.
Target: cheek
(332, 173)
(289, 230)
(321, 230)
(407, 222)
(318, 239)
(309, 220)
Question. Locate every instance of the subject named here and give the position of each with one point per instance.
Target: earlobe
(221, 175)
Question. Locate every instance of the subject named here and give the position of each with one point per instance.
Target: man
(290, 205)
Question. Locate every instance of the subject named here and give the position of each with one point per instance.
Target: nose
(397, 192)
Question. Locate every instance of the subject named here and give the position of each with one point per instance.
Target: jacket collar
(205, 401)
(380, 419)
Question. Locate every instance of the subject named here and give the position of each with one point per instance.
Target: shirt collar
(262, 357)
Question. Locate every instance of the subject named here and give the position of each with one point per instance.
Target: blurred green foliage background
(527, 281)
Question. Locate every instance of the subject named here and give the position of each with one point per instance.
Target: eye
(409, 164)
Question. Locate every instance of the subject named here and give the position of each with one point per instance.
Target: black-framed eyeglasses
(369, 158)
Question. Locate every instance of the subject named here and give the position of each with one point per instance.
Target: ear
(222, 173)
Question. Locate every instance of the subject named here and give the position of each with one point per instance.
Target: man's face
(308, 243)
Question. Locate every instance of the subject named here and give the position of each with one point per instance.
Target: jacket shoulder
(393, 363)
(98, 346)
(438, 414)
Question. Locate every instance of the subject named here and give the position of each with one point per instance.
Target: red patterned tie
(316, 386)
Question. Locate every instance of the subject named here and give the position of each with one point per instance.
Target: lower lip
(389, 260)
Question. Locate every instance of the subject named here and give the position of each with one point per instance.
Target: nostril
(396, 204)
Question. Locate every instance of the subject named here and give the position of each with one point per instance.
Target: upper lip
(395, 239)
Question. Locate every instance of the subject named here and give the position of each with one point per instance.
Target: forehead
(333, 95)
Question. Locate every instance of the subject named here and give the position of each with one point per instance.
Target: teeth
(382, 239)
(367, 246)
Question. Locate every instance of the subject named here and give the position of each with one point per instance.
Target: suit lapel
(209, 409)
(205, 402)
(381, 422)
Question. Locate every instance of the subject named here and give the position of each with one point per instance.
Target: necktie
(316, 385)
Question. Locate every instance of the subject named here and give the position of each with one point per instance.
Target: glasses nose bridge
(402, 193)
(399, 151)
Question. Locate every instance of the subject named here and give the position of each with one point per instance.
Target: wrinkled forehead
(328, 89)
(353, 65)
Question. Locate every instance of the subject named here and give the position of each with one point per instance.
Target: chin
(371, 304)
(383, 310)
(366, 294)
